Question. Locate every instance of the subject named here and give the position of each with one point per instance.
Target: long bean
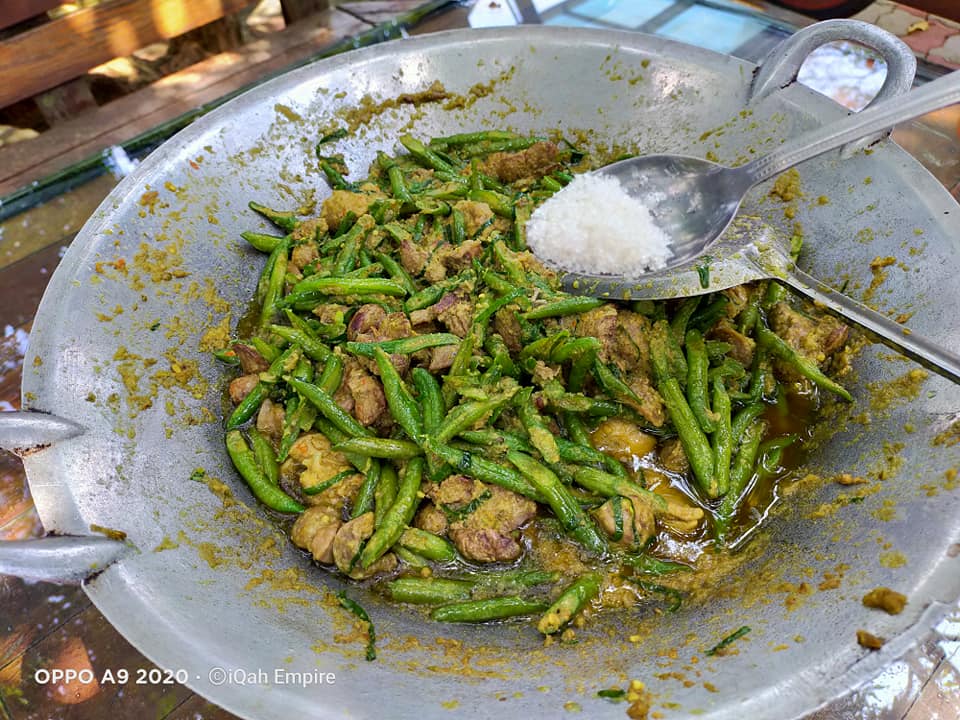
(803, 365)
(487, 610)
(363, 503)
(377, 447)
(695, 443)
(329, 409)
(697, 384)
(403, 407)
(574, 598)
(265, 491)
(571, 516)
(429, 591)
(398, 516)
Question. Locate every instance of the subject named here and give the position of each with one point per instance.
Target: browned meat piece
(309, 230)
(366, 320)
(330, 313)
(303, 255)
(651, 404)
(314, 530)
(341, 202)
(458, 317)
(346, 545)
(429, 314)
(487, 533)
(369, 402)
(485, 545)
(456, 490)
(435, 270)
(430, 518)
(600, 323)
(371, 323)
(270, 419)
(739, 296)
(632, 349)
(883, 598)
(458, 257)
(251, 361)
(241, 387)
(534, 162)
(637, 523)
(505, 322)
(313, 457)
(442, 357)
(475, 215)
(413, 257)
(815, 338)
(673, 458)
(742, 347)
(342, 396)
(543, 373)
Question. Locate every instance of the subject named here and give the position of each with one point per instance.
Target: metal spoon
(695, 201)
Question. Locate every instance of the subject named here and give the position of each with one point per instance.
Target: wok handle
(781, 66)
(59, 559)
(21, 432)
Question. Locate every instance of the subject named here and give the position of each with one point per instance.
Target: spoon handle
(932, 96)
(915, 347)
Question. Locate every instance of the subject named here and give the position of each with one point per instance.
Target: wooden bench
(46, 59)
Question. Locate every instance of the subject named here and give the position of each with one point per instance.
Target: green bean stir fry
(415, 389)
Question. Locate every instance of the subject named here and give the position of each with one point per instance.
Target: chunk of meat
(431, 518)
(330, 313)
(413, 257)
(341, 202)
(738, 296)
(371, 323)
(435, 270)
(487, 533)
(507, 325)
(623, 440)
(251, 361)
(365, 321)
(742, 347)
(673, 457)
(536, 161)
(632, 348)
(270, 419)
(455, 491)
(475, 215)
(815, 338)
(600, 323)
(317, 462)
(303, 255)
(442, 357)
(679, 515)
(458, 257)
(430, 313)
(308, 230)
(241, 387)
(485, 545)
(314, 530)
(651, 404)
(636, 524)
(458, 317)
(369, 402)
(346, 546)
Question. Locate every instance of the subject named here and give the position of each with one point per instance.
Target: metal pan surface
(159, 275)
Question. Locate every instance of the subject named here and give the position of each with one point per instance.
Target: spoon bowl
(692, 200)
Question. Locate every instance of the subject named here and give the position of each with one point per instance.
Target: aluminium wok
(205, 579)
